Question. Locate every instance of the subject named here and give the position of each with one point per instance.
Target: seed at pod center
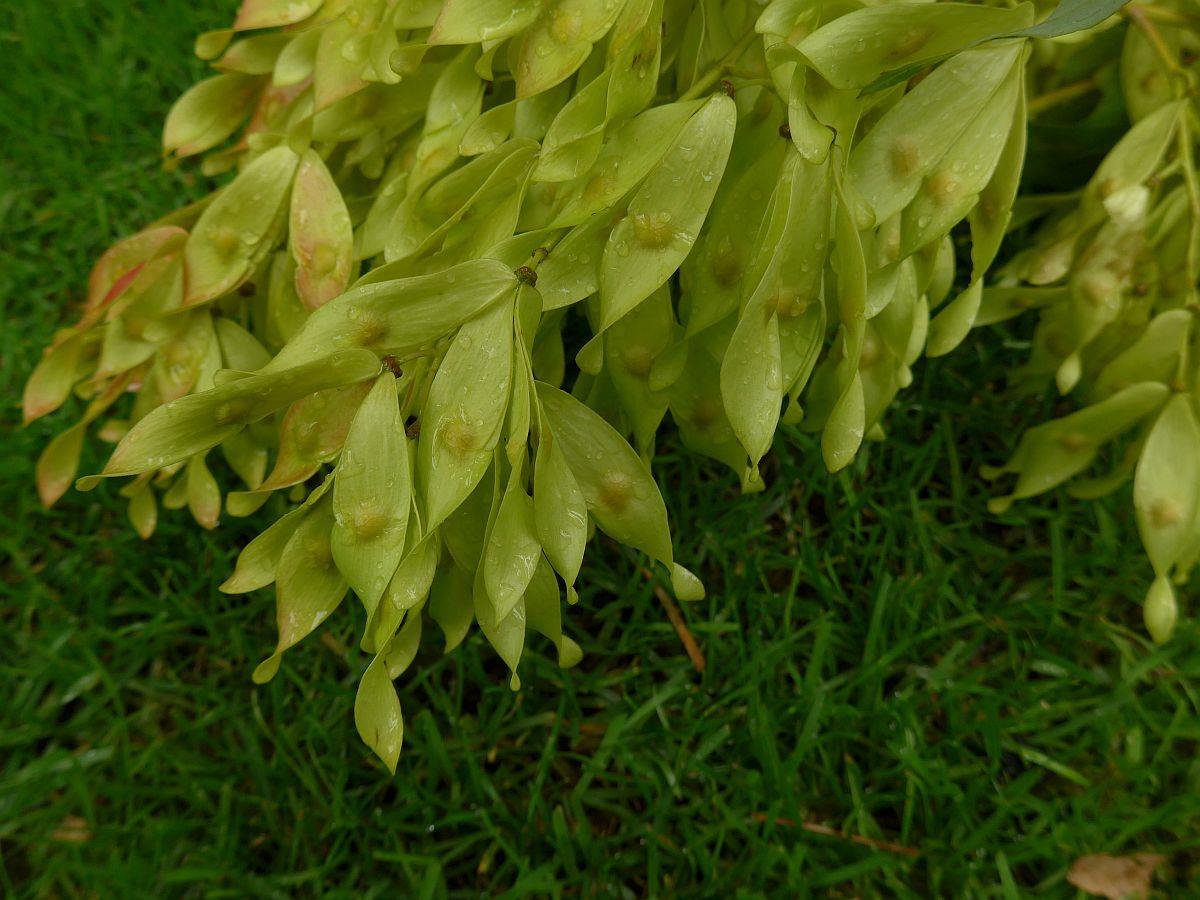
(232, 411)
(638, 361)
(1108, 186)
(912, 41)
(871, 351)
(1074, 441)
(652, 230)
(905, 157)
(726, 264)
(616, 490)
(224, 240)
(1058, 344)
(1098, 287)
(371, 329)
(565, 26)
(458, 436)
(318, 552)
(943, 187)
(597, 186)
(324, 259)
(1165, 513)
(705, 413)
(788, 305)
(368, 522)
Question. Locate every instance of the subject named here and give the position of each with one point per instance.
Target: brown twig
(695, 654)
(817, 828)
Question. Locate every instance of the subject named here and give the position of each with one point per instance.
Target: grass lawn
(904, 696)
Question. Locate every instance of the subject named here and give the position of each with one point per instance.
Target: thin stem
(709, 78)
(1188, 162)
(540, 254)
(1150, 30)
(1061, 95)
(1162, 14)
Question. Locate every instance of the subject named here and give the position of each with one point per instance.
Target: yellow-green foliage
(471, 254)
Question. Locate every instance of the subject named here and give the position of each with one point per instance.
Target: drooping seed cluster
(744, 208)
(1112, 274)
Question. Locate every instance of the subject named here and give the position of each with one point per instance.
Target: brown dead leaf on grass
(1115, 877)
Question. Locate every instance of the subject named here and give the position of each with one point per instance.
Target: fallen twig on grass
(695, 654)
(817, 828)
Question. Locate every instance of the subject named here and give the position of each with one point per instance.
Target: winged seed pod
(471, 255)
(1111, 274)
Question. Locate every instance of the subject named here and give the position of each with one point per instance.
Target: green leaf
(399, 316)
(628, 155)
(338, 67)
(889, 165)
(203, 494)
(843, 432)
(543, 612)
(632, 346)
(451, 604)
(177, 430)
(559, 41)
(453, 105)
(571, 272)
(143, 513)
(240, 349)
(1050, 453)
(259, 560)
(699, 412)
(402, 649)
(312, 432)
(506, 635)
(952, 324)
(855, 49)
(240, 228)
(1160, 610)
(208, 113)
(372, 494)
(462, 419)
(273, 13)
(559, 511)
(255, 55)
(476, 21)
(955, 183)
(406, 591)
(56, 373)
(1071, 16)
(665, 215)
(377, 714)
(308, 586)
(752, 376)
(1153, 356)
(319, 233)
(1166, 484)
(513, 550)
(618, 489)
(576, 134)
(1068, 17)
(58, 463)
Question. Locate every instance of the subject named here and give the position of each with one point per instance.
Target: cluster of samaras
(475, 251)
